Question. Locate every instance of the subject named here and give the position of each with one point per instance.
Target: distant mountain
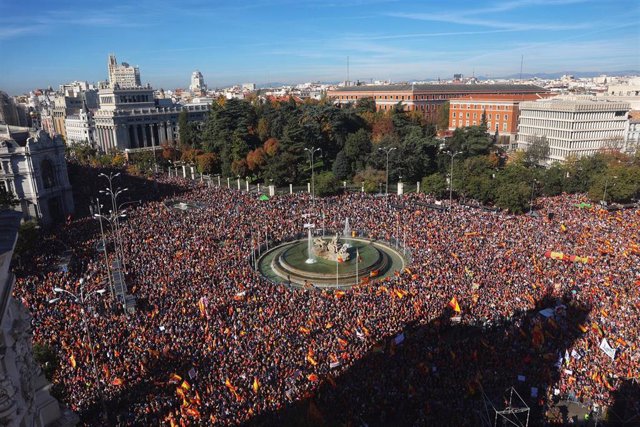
(559, 74)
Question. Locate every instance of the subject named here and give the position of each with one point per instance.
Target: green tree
(7, 199)
(326, 184)
(443, 116)
(341, 167)
(537, 151)
(554, 180)
(28, 236)
(513, 196)
(364, 105)
(46, 358)
(371, 178)
(183, 128)
(357, 149)
(621, 183)
(435, 185)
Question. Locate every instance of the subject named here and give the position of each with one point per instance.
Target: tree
(513, 196)
(537, 151)
(364, 105)
(46, 358)
(483, 120)
(371, 178)
(443, 116)
(326, 184)
(206, 163)
(435, 185)
(621, 183)
(183, 128)
(28, 236)
(7, 199)
(357, 148)
(341, 167)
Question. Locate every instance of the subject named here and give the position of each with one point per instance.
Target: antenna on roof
(347, 82)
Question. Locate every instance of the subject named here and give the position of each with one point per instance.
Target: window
(475, 123)
(497, 117)
(48, 176)
(454, 114)
(467, 122)
(488, 125)
(475, 115)
(504, 126)
(489, 116)
(467, 115)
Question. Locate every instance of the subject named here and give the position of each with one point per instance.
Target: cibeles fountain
(330, 262)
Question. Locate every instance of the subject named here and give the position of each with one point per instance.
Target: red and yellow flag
(454, 305)
(72, 361)
(117, 381)
(256, 385)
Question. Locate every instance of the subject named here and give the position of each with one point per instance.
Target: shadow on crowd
(446, 373)
(625, 410)
(87, 183)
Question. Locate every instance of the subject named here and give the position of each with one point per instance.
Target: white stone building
(123, 75)
(24, 391)
(632, 133)
(33, 167)
(572, 127)
(197, 83)
(131, 118)
(80, 127)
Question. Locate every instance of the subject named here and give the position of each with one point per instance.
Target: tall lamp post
(114, 205)
(453, 156)
(97, 214)
(82, 299)
(311, 152)
(533, 189)
(387, 151)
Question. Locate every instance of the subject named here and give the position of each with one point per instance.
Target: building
(123, 75)
(33, 167)
(197, 83)
(131, 118)
(573, 126)
(8, 110)
(24, 391)
(80, 127)
(632, 133)
(64, 105)
(425, 98)
(501, 112)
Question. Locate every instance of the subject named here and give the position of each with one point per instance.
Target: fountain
(331, 262)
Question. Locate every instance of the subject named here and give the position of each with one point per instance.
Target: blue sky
(49, 42)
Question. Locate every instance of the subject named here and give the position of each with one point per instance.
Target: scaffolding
(515, 413)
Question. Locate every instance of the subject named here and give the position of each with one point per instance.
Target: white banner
(604, 346)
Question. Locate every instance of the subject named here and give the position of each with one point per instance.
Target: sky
(49, 42)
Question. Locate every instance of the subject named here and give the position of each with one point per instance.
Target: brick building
(426, 98)
(502, 112)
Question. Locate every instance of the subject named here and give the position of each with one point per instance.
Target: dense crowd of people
(479, 307)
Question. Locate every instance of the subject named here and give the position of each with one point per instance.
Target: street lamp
(387, 151)
(453, 156)
(96, 213)
(533, 187)
(114, 203)
(311, 152)
(82, 300)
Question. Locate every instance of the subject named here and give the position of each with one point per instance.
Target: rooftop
(446, 88)
(502, 97)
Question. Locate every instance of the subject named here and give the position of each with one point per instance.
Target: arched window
(48, 174)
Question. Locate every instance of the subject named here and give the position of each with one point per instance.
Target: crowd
(213, 342)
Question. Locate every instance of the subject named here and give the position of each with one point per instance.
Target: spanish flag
(256, 385)
(117, 381)
(304, 330)
(339, 294)
(202, 307)
(185, 385)
(454, 305)
(563, 228)
(72, 361)
(313, 378)
(311, 360)
(175, 378)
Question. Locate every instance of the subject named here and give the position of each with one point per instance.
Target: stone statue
(333, 250)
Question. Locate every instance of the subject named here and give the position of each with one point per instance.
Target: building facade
(33, 167)
(131, 118)
(197, 83)
(123, 75)
(501, 112)
(632, 133)
(425, 98)
(80, 127)
(8, 110)
(572, 127)
(24, 391)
